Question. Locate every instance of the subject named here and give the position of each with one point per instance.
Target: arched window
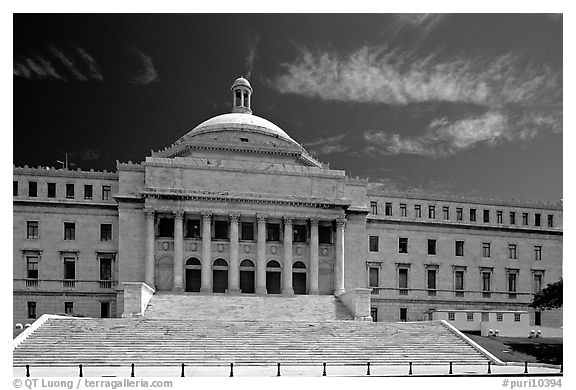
(273, 264)
(220, 263)
(247, 263)
(299, 264)
(193, 261)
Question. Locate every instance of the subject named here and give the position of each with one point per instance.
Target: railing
(32, 282)
(68, 283)
(449, 293)
(64, 284)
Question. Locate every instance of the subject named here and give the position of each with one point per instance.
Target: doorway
(247, 277)
(220, 276)
(193, 275)
(164, 275)
(299, 278)
(273, 277)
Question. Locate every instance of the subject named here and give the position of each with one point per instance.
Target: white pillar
(178, 285)
(287, 269)
(150, 246)
(339, 266)
(314, 256)
(206, 253)
(261, 255)
(234, 269)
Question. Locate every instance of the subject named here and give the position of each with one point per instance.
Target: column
(206, 253)
(339, 266)
(150, 245)
(314, 256)
(178, 285)
(287, 269)
(234, 269)
(261, 255)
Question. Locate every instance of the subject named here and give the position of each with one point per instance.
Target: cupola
(241, 93)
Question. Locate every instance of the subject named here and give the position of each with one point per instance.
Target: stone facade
(236, 206)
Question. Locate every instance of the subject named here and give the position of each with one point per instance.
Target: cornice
(54, 172)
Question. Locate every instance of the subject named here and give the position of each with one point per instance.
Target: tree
(548, 298)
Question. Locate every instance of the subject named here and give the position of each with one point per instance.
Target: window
(431, 212)
(486, 216)
(417, 211)
(472, 215)
(70, 191)
(165, 227)
(403, 314)
(32, 267)
(373, 278)
(51, 190)
(373, 244)
(431, 246)
(69, 268)
(32, 230)
(451, 316)
(106, 232)
(299, 233)
(512, 218)
(537, 283)
(247, 231)
(538, 318)
(446, 212)
(537, 218)
(105, 268)
(499, 317)
(324, 234)
(516, 317)
(499, 216)
(32, 189)
(69, 231)
(388, 209)
(403, 279)
(15, 188)
(273, 232)
(87, 191)
(459, 248)
(374, 208)
(486, 250)
(511, 282)
(243, 139)
(525, 219)
(403, 212)
(31, 309)
(537, 252)
(469, 316)
(550, 220)
(459, 281)
(431, 279)
(512, 251)
(192, 228)
(220, 230)
(106, 191)
(69, 308)
(459, 214)
(402, 245)
(486, 276)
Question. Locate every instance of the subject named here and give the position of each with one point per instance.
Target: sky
(465, 104)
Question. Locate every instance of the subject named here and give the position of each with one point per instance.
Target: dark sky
(468, 104)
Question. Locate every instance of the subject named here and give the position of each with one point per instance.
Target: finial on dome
(241, 93)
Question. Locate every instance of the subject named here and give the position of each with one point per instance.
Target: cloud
(422, 24)
(252, 53)
(57, 64)
(323, 146)
(146, 72)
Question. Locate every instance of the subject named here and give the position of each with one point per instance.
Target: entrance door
(299, 278)
(164, 275)
(273, 276)
(193, 275)
(220, 276)
(326, 281)
(247, 277)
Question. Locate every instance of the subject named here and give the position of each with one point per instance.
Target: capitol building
(236, 206)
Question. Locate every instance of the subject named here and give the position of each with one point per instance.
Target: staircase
(69, 341)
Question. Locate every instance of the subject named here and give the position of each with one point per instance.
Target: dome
(241, 81)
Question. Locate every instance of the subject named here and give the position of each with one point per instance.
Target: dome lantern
(241, 93)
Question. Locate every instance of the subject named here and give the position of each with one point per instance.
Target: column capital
(206, 215)
(288, 220)
(179, 214)
(341, 222)
(261, 217)
(234, 217)
(314, 221)
(149, 212)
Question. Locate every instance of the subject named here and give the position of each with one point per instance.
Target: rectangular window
(512, 251)
(537, 283)
(550, 220)
(451, 316)
(69, 308)
(431, 212)
(31, 309)
(87, 191)
(459, 280)
(511, 282)
(499, 317)
(486, 281)
(32, 267)
(403, 314)
(32, 189)
(106, 232)
(459, 214)
(417, 211)
(192, 228)
(459, 248)
(106, 192)
(15, 188)
(402, 278)
(516, 317)
(537, 252)
(69, 231)
(105, 268)
(525, 219)
(299, 233)
(373, 278)
(499, 216)
(31, 229)
(374, 208)
(165, 227)
(446, 212)
(273, 232)
(472, 215)
(70, 191)
(537, 218)
(69, 268)
(388, 209)
(373, 244)
(324, 234)
(431, 246)
(469, 316)
(402, 245)
(220, 230)
(512, 218)
(431, 279)
(51, 190)
(403, 212)
(486, 216)
(486, 250)
(247, 231)
(538, 318)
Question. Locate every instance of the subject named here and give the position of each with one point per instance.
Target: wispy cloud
(422, 24)
(146, 72)
(323, 146)
(58, 64)
(252, 53)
